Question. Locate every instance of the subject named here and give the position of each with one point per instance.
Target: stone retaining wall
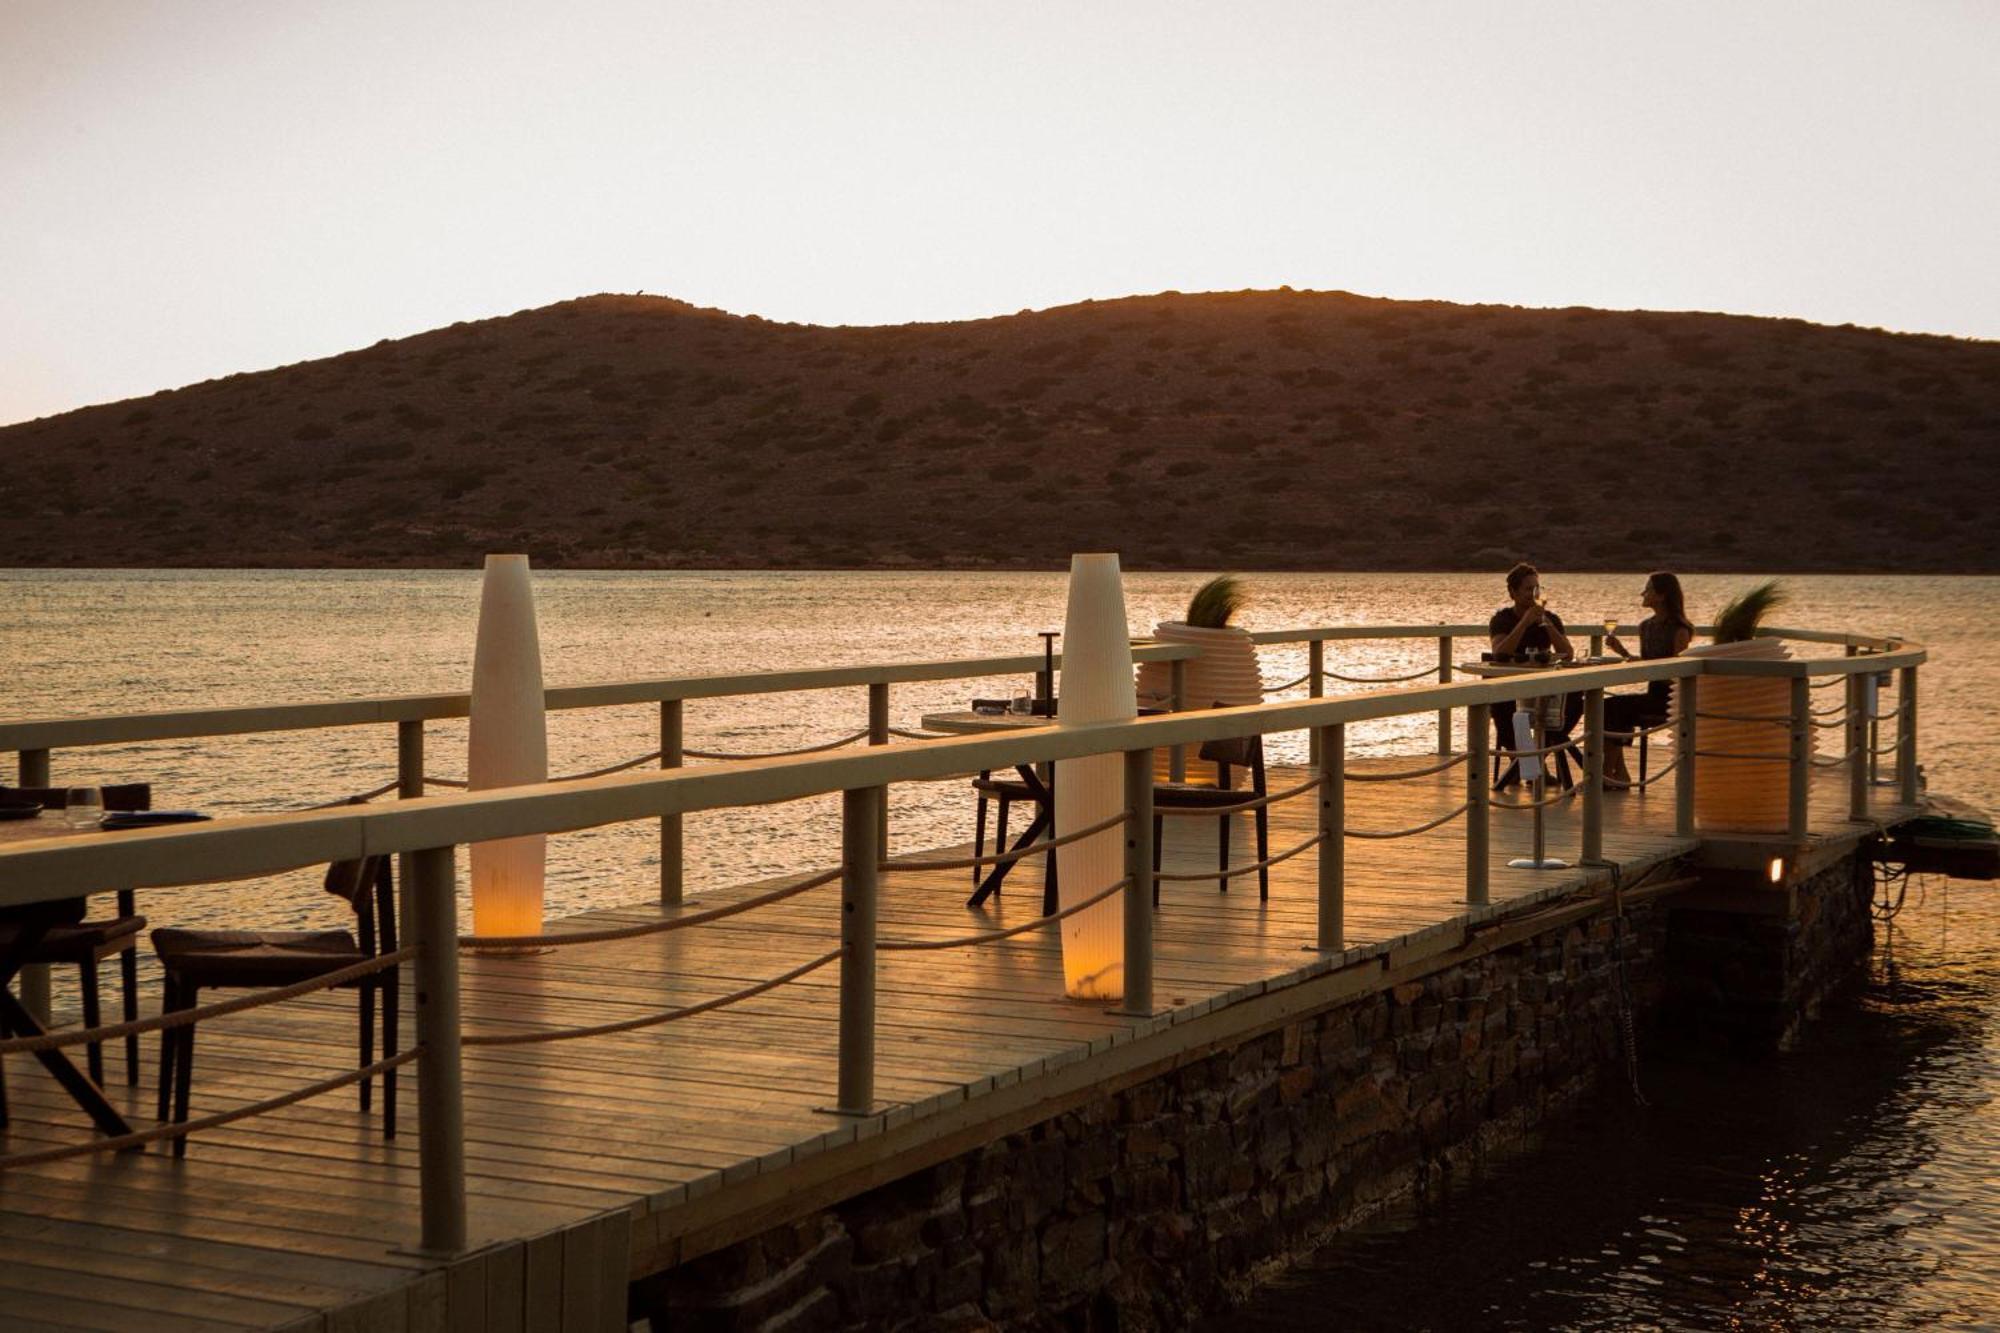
(1164, 1201)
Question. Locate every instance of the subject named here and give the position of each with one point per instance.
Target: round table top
(965, 722)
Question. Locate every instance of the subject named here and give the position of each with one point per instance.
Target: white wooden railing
(426, 833)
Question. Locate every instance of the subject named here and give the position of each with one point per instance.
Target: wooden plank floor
(286, 1217)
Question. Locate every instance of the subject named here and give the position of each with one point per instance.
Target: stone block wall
(1748, 981)
(1164, 1200)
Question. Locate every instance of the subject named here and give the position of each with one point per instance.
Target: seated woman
(1527, 625)
(1665, 633)
(1523, 627)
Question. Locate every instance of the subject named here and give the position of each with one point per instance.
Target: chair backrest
(1236, 751)
(367, 885)
(118, 796)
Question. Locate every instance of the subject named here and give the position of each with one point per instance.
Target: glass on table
(83, 807)
(1023, 704)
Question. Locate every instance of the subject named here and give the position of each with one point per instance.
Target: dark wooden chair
(1247, 753)
(198, 960)
(88, 943)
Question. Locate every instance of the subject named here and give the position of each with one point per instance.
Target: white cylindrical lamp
(1096, 687)
(509, 746)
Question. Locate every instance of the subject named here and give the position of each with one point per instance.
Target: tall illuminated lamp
(509, 746)
(1096, 687)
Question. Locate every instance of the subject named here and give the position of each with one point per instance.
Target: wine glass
(83, 807)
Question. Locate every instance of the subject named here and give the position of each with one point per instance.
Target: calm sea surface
(1851, 1185)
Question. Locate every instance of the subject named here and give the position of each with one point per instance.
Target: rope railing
(1830, 722)
(1382, 680)
(1383, 835)
(989, 936)
(649, 1020)
(1785, 718)
(1231, 872)
(1840, 707)
(1730, 754)
(1835, 761)
(821, 748)
(909, 735)
(700, 918)
(1004, 858)
(1827, 683)
(1637, 732)
(1408, 773)
(180, 1018)
(1239, 807)
(359, 798)
(1641, 784)
(140, 1138)
(1890, 748)
(1288, 685)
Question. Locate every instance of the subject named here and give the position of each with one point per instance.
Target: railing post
(433, 886)
(1333, 836)
(1139, 882)
(1444, 678)
(1906, 737)
(878, 734)
(1799, 808)
(1856, 747)
(1689, 690)
(673, 852)
(33, 766)
(1874, 695)
(1177, 754)
(1315, 689)
(409, 786)
(860, 875)
(1478, 855)
(1593, 778)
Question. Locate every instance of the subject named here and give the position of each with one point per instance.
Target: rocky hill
(1261, 430)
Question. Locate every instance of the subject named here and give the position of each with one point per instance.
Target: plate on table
(19, 811)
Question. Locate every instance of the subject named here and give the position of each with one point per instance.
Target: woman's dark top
(1656, 639)
(1537, 637)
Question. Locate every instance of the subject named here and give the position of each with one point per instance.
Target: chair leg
(128, 976)
(1000, 835)
(390, 986)
(979, 838)
(1222, 850)
(1262, 815)
(184, 1079)
(170, 1039)
(1157, 849)
(1642, 754)
(93, 1052)
(367, 1007)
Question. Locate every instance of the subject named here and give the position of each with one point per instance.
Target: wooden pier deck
(592, 1159)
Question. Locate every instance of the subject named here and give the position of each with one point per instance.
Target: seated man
(1522, 627)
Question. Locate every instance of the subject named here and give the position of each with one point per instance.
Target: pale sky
(196, 188)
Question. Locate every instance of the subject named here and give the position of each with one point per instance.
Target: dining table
(1039, 779)
(25, 926)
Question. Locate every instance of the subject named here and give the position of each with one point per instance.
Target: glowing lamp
(1777, 870)
(509, 746)
(1096, 687)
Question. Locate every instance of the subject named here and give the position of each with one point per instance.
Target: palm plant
(1216, 602)
(1738, 621)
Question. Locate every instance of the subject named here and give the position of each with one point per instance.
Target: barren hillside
(1266, 430)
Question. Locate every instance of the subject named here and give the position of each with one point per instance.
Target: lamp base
(1530, 863)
